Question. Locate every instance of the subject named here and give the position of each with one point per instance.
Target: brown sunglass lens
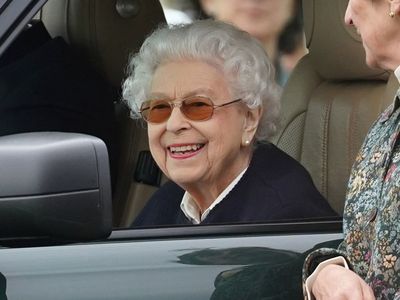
(159, 111)
(197, 109)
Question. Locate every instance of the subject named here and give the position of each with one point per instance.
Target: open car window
(59, 69)
(55, 185)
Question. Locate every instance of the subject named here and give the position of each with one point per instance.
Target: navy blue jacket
(274, 187)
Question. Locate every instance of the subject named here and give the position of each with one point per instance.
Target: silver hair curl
(241, 58)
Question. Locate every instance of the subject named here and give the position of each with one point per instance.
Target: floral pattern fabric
(371, 217)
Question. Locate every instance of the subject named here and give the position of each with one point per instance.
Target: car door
(259, 261)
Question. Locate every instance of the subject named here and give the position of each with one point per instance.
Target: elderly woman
(367, 263)
(207, 93)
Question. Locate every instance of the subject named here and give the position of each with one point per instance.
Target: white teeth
(186, 148)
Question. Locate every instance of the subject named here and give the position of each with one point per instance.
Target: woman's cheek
(156, 149)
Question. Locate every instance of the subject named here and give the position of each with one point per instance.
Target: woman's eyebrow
(159, 95)
(196, 92)
(199, 91)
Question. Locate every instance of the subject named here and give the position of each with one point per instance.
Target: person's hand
(337, 283)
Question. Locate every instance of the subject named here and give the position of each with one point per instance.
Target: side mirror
(54, 185)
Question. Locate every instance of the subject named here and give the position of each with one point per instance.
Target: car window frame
(14, 15)
(265, 228)
(21, 12)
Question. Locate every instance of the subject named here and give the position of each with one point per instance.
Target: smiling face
(379, 32)
(199, 154)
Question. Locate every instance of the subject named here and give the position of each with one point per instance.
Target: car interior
(106, 33)
(328, 103)
(331, 100)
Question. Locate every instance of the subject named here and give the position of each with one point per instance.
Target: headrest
(105, 31)
(336, 49)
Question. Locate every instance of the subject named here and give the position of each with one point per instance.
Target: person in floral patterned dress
(367, 263)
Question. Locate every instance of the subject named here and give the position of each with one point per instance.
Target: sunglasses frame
(174, 103)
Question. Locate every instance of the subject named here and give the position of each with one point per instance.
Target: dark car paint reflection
(259, 276)
(236, 256)
(267, 274)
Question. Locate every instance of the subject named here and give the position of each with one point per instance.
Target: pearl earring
(391, 12)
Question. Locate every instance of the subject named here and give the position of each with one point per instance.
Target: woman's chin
(184, 178)
(371, 60)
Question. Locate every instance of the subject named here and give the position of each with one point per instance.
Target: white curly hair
(241, 58)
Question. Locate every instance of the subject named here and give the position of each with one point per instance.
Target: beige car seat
(331, 99)
(328, 104)
(106, 32)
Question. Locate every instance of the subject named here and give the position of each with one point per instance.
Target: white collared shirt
(397, 73)
(191, 209)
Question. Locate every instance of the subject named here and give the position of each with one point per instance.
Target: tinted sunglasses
(196, 108)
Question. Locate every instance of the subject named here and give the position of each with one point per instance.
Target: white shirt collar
(397, 73)
(192, 211)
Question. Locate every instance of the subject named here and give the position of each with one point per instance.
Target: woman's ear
(251, 123)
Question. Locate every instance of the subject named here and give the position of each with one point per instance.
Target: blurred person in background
(277, 24)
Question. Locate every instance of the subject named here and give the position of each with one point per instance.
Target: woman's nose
(347, 17)
(177, 120)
